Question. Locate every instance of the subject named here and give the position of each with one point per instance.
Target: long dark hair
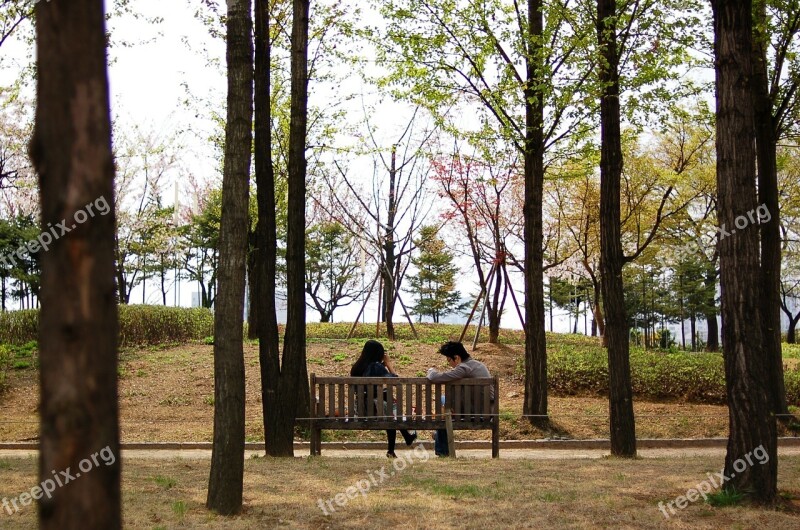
(372, 352)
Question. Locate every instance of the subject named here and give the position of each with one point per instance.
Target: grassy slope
(166, 391)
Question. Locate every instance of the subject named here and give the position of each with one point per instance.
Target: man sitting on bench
(462, 366)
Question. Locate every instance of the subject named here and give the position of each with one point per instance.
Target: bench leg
(314, 436)
(495, 440)
(451, 441)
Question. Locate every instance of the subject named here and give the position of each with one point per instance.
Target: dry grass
(160, 385)
(607, 493)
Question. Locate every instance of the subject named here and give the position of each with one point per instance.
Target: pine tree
(434, 283)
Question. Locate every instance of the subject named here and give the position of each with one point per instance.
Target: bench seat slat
(481, 381)
(373, 424)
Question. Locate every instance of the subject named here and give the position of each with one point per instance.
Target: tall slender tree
(284, 385)
(227, 458)
(746, 368)
(265, 252)
(294, 341)
(623, 430)
(775, 100)
(78, 327)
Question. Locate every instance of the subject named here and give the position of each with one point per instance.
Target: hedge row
(696, 377)
(427, 333)
(140, 325)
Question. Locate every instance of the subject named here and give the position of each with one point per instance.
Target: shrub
(139, 325)
(696, 377)
(151, 325)
(19, 327)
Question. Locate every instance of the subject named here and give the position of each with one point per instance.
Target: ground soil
(166, 395)
(429, 493)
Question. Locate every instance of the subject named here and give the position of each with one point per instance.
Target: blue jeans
(440, 443)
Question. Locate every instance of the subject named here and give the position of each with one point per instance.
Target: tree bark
(227, 458)
(278, 418)
(712, 327)
(78, 326)
(389, 287)
(766, 145)
(252, 264)
(790, 335)
(746, 369)
(494, 307)
(623, 429)
(294, 342)
(535, 338)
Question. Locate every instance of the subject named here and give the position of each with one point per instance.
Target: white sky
(146, 82)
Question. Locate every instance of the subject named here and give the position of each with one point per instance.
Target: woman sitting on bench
(374, 362)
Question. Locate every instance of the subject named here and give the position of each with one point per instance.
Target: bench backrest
(406, 398)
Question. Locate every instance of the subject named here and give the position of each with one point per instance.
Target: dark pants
(440, 446)
(392, 436)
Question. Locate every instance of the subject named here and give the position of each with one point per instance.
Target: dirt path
(507, 454)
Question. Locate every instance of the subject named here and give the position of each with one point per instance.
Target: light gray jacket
(466, 370)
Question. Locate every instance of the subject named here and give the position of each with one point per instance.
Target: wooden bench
(414, 403)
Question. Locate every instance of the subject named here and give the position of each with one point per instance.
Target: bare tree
(389, 239)
(78, 328)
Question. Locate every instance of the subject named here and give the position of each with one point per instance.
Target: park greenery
(549, 156)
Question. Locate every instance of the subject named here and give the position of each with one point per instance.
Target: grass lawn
(432, 493)
(159, 384)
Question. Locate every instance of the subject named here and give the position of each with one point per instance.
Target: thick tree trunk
(78, 326)
(746, 369)
(227, 458)
(278, 418)
(766, 141)
(623, 429)
(535, 338)
(294, 342)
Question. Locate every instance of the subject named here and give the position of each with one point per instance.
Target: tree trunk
(390, 259)
(163, 287)
(278, 419)
(294, 342)
(494, 309)
(535, 338)
(712, 327)
(746, 369)
(766, 141)
(790, 335)
(623, 429)
(254, 259)
(693, 330)
(227, 458)
(596, 309)
(78, 326)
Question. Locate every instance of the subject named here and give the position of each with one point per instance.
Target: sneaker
(391, 455)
